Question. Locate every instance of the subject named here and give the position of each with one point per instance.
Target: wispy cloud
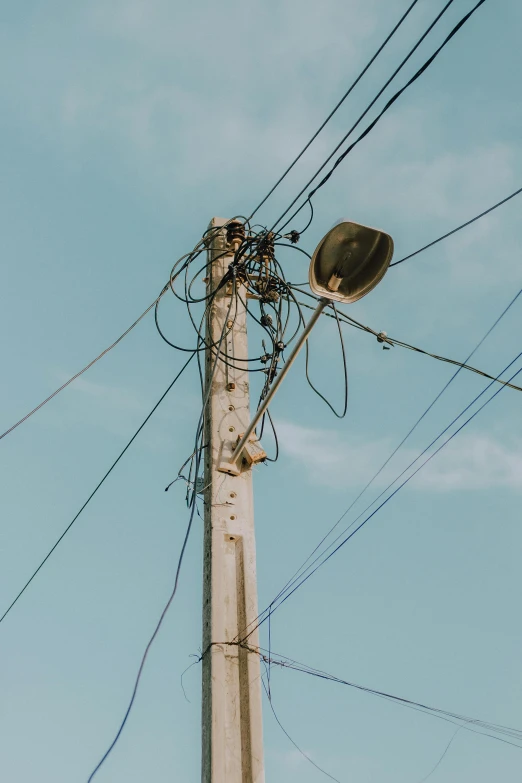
(470, 462)
(120, 409)
(112, 397)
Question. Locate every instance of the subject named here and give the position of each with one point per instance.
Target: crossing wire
(391, 341)
(388, 105)
(295, 578)
(336, 107)
(287, 592)
(462, 721)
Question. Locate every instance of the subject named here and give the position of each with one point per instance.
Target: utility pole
(347, 264)
(232, 738)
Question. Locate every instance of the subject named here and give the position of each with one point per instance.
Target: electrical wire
(156, 302)
(336, 107)
(465, 722)
(198, 249)
(358, 121)
(441, 758)
(391, 341)
(192, 503)
(459, 228)
(323, 558)
(69, 526)
(345, 370)
(149, 645)
(253, 275)
(388, 105)
(294, 743)
(298, 575)
(87, 367)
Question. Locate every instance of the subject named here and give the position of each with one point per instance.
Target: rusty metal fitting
(235, 233)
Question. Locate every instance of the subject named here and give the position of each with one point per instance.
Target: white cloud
(119, 410)
(111, 396)
(401, 163)
(474, 462)
(183, 101)
(469, 462)
(293, 759)
(179, 93)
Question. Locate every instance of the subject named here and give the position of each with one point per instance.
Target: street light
(347, 264)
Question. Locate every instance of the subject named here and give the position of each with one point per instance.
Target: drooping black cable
(336, 107)
(459, 228)
(391, 341)
(441, 758)
(345, 371)
(48, 555)
(149, 644)
(388, 105)
(193, 508)
(287, 735)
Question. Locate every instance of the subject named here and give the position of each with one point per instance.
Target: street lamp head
(349, 261)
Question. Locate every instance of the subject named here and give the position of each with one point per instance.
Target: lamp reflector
(349, 261)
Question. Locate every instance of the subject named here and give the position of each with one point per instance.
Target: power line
(462, 721)
(389, 104)
(87, 367)
(399, 446)
(336, 107)
(197, 250)
(48, 555)
(365, 112)
(391, 341)
(342, 316)
(149, 644)
(299, 574)
(459, 228)
(192, 502)
(297, 584)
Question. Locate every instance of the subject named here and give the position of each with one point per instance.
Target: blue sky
(125, 126)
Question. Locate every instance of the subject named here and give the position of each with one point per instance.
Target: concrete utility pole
(232, 737)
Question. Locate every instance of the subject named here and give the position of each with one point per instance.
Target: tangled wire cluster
(256, 281)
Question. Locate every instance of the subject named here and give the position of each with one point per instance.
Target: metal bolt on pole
(232, 741)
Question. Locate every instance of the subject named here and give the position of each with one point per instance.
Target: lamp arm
(268, 399)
